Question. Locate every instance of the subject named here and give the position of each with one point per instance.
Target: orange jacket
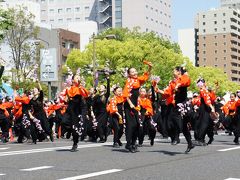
(114, 101)
(2, 107)
(146, 103)
(205, 94)
(75, 90)
(53, 108)
(132, 83)
(229, 106)
(24, 99)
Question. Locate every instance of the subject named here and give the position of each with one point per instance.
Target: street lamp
(37, 43)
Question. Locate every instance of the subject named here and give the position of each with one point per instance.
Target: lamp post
(37, 42)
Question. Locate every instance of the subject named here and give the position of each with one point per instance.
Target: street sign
(49, 66)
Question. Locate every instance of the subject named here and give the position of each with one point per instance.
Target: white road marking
(232, 179)
(2, 174)
(37, 168)
(5, 148)
(229, 149)
(84, 176)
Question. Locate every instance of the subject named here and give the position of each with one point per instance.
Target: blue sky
(184, 11)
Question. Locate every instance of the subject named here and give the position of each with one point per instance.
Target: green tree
(131, 48)
(20, 38)
(6, 22)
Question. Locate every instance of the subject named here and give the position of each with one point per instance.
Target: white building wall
(186, 41)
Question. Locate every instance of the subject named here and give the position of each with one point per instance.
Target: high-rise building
(149, 15)
(186, 41)
(217, 37)
(231, 3)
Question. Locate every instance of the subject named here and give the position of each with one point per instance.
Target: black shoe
(202, 143)
(51, 137)
(133, 149)
(116, 145)
(68, 135)
(210, 141)
(189, 148)
(74, 148)
(152, 142)
(101, 141)
(174, 142)
(128, 147)
(236, 141)
(120, 143)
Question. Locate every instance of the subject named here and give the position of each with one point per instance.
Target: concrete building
(217, 40)
(29, 6)
(63, 41)
(231, 3)
(186, 41)
(149, 15)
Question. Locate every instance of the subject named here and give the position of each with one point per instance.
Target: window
(204, 59)
(215, 22)
(204, 30)
(224, 36)
(204, 23)
(204, 16)
(68, 9)
(151, 19)
(42, 1)
(43, 21)
(146, 6)
(215, 65)
(215, 44)
(77, 9)
(224, 50)
(69, 19)
(64, 44)
(77, 19)
(146, 29)
(204, 45)
(51, 10)
(86, 8)
(216, 59)
(224, 14)
(43, 11)
(204, 52)
(224, 21)
(151, 8)
(60, 10)
(215, 29)
(51, 20)
(204, 37)
(224, 43)
(86, 18)
(215, 15)
(215, 51)
(215, 37)
(60, 20)
(146, 17)
(224, 29)
(224, 58)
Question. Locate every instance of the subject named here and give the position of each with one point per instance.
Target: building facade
(231, 3)
(186, 41)
(148, 15)
(217, 40)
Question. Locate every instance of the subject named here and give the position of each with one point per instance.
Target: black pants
(117, 128)
(4, 124)
(132, 125)
(102, 129)
(146, 127)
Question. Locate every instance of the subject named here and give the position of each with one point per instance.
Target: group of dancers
(132, 110)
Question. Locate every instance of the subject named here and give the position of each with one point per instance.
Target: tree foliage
(6, 22)
(20, 38)
(131, 48)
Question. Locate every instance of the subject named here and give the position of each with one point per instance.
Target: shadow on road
(169, 153)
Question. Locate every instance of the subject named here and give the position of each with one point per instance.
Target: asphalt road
(51, 161)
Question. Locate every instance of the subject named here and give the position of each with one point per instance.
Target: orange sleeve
(127, 89)
(143, 78)
(225, 108)
(84, 92)
(149, 107)
(184, 81)
(205, 95)
(112, 106)
(237, 103)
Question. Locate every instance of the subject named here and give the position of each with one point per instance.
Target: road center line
(2, 174)
(84, 176)
(229, 149)
(36, 168)
(5, 148)
(232, 179)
